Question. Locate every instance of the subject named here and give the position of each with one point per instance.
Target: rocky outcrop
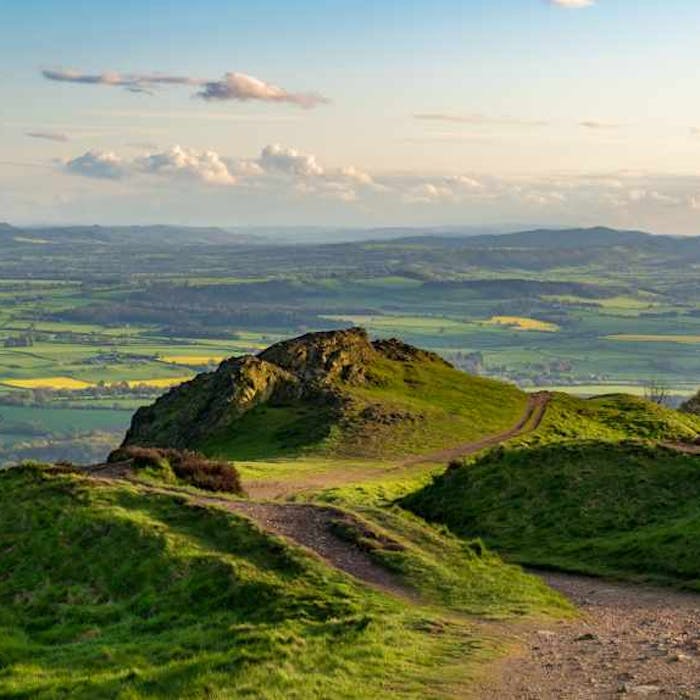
(313, 368)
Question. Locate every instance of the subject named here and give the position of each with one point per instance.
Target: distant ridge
(158, 234)
(579, 238)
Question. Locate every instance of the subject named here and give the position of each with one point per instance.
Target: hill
(334, 393)
(607, 486)
(115, 589)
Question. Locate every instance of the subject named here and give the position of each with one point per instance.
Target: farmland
(95, 322)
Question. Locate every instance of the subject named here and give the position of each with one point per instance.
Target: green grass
(112, 592)
(450, 407)
(272, 431)
(623, 509)
(612, 417)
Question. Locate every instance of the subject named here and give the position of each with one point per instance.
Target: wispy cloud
(47, 135)
(476, 119)
(232, 86)
(593, 124)
(572, 4)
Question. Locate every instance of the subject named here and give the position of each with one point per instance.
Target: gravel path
(632, 641)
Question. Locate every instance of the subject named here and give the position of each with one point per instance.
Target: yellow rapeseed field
(195, 360)
(47, 383)
(160, 382)
(522, 323)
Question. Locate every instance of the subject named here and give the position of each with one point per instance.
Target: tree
(657, 392)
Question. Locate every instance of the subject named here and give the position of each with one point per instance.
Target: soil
(631, 641)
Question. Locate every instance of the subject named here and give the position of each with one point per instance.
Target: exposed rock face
(324, 357)
(211, 401)
(313, 368)
(394, 349)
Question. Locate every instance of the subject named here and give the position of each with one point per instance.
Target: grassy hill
(333, 393)
(594, 489)
(109, 590)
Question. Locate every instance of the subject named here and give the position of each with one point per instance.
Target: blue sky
(362, 113)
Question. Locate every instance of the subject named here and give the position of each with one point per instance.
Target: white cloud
(232, 86)
(476, 119)
(286, 176)
(572, 4)
(277, 168)
(242, 87)
(277, 158)
(206, 166)
(102, 165)
(593, 124)
(47, 135)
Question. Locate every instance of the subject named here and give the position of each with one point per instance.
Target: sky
(363, 113)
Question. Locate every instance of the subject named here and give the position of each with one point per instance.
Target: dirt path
(281, 489)
(305, 524)
(531, 419)
(312, 527)
(633, 641)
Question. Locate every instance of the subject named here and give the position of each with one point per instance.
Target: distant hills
(125, 235)
(452, 237)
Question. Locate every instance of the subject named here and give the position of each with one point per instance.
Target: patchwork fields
(108, 326)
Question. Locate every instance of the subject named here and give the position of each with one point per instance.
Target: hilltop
(607, 486)
(334, 393)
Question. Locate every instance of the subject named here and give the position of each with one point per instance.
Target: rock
(644, 689)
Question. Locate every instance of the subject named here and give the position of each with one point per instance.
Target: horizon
(453, 114)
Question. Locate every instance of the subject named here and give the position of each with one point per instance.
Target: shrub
(187, 465)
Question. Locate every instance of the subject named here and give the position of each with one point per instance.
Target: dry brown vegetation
(186, 465)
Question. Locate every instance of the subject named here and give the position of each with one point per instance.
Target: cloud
(47, 135)
(277, 158)
(281, 175)
(476, 119)
(206, 166)
(592, 124)
(102, 165)
(114, 79)
(242, 87)
(232, 87)
(572, 4)
(277, 167)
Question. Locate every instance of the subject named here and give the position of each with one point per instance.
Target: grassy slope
(578, 495)
(108, 591)
(612, 417)
(407, 408)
